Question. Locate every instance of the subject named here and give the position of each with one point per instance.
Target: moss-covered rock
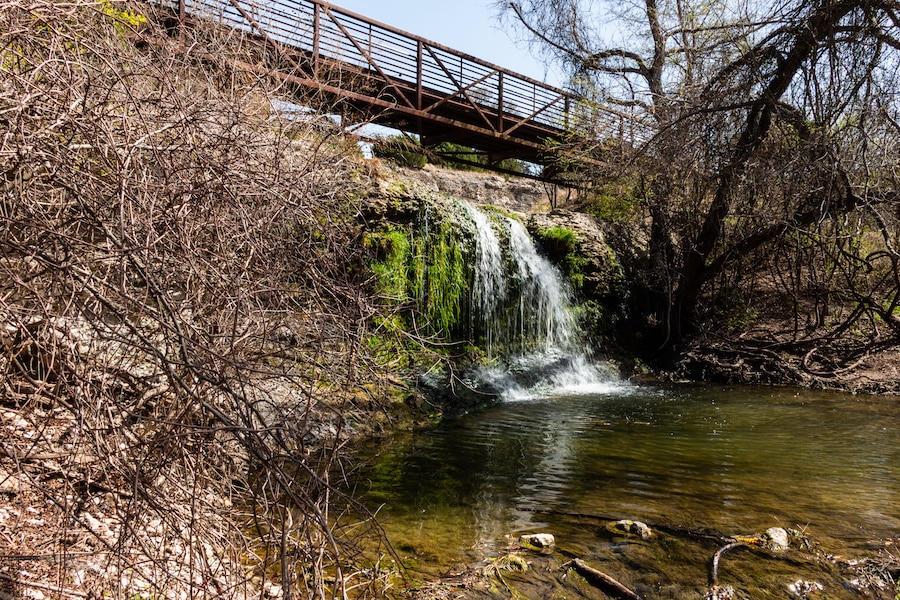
(420, 256)
(577, 244)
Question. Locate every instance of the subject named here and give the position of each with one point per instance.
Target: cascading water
(544, 318)
(489, 291)
(525, 315)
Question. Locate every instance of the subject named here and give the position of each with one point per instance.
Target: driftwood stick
(603, 582)
(714, 563)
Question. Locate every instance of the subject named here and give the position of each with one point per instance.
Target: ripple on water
(730, 460)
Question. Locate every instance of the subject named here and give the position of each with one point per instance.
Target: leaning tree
(768, 166)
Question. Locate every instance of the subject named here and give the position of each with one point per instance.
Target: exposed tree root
(714, 563)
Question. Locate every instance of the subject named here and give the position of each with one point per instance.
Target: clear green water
(731, 460)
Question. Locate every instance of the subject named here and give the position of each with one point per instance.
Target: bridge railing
(421, 74)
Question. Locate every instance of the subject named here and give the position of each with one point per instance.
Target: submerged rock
(716, 592)
(509, 562)
(802, 589)
(642, 530)
(540, 542)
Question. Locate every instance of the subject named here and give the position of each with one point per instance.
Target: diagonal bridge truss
(408, 82)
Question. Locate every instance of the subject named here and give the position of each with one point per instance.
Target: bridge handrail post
(419, 84)
(317, 10)
(500, 102)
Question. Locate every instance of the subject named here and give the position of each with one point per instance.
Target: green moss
(393, 247)
(447, 282)
(422, 273)
(559, 240)
(561, 245)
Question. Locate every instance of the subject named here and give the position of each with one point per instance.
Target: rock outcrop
(517, 195)
(584, 253)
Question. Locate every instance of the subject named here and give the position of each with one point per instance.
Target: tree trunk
(696, 272)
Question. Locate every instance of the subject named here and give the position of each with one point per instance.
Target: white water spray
(524, 309)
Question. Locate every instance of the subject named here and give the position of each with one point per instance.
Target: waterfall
(524, 315)
(489, 289)
(544, 307)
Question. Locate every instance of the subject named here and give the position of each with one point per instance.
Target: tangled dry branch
(180, 315)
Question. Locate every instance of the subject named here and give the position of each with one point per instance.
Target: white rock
(642, 530)
(777, 538)
(537, 541)
(272, 590)
(725, 592)
(9, 483)
(802, 588)
(91, 522)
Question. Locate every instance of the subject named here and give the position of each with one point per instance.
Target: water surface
(730, 460)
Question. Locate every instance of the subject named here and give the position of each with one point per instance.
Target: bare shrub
(181, 316)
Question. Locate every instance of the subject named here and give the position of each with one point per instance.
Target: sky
(470, 26)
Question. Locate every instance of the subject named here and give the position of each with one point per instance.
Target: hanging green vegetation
(423, 272)
(392, 248)
(447, 281)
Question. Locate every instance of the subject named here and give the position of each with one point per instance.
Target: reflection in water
(736, 461)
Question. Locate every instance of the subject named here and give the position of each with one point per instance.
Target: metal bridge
(405, 81)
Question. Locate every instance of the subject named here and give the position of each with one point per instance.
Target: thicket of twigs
(181, 332)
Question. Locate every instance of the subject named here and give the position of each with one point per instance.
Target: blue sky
(470, 26)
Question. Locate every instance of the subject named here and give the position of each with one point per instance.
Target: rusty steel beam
(438, 90)
(532, 148)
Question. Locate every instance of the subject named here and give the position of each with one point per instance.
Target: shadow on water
(734, 461)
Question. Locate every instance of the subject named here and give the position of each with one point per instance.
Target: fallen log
(602, 581)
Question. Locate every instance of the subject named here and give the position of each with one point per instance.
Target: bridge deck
(406, 81)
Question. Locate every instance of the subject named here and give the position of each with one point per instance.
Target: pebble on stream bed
(539, 542)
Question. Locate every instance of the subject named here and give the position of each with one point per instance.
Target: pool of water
(734, 461)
